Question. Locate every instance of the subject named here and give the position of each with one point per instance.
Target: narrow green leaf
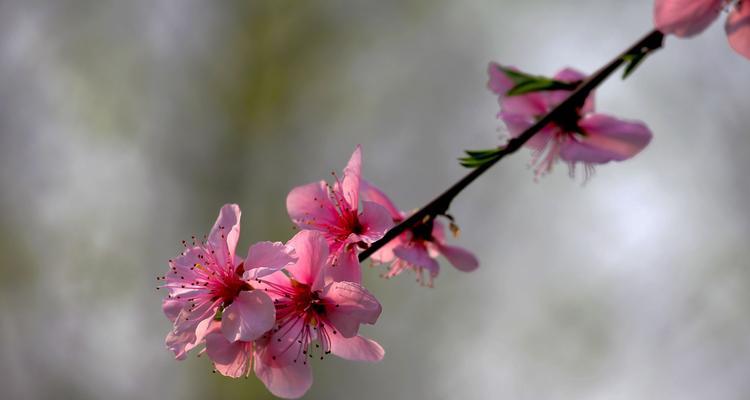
(527, 83)
(632, 60)
(477, 158)
(540, 85)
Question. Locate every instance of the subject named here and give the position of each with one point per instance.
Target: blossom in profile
(208, 281)
(418, 247)
(334, 210)
(316, 315)
(685, 18)
(585, 137)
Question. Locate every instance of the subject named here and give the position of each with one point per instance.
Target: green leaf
(633, 60)
(476, 158)
(527, 83)
(540, 85)
(218, 315)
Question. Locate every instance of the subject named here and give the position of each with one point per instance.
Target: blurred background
(124, 126)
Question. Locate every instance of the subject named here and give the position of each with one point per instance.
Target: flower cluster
(284, 304)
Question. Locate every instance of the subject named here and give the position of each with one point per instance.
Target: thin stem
(577, 97)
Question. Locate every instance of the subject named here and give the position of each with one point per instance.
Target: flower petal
(183, 336)
(372, 193)
(517, 123)
(181, 341)
(264, 258)
(375, 221)
(385, 253)
(182, 270)
(499, 82)
(172, 308)
(418, 255)
(285, 380)
(250, 315)
(348, 305)
(345, 268)
(460, 258)
(350, 181)
(607, 139)
(230, 359)
(312, 254)
(738, 29)
(529, 105)
(685, 18)
(310, 207)
(225, 234)
(357, 348)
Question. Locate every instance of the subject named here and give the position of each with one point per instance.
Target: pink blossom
(208, 278)
(315, 315)
(417, 248)
(334, 210)
(587, 137)
(686, 18)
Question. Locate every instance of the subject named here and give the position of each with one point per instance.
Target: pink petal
(250, 315)
(182, 341)
(285, 380)
(685, 17)
(438, 231)
(499, 82)
(283, 346)
(183, 336)
(357, 348)
(607, 139)
(312, 254)
(375, 221)
(569, 75)
(182, 270)
(738, 29)
(270, 283)
(265, 258)
(350, 182)
(417, 255)
(345, 268)
(460, 258)
(527, 105)
(225, 234)
(372, 193)
(517, 123)
(348, 305)
(309, 206)
(230, 359)
(385, 254)
(172, 308)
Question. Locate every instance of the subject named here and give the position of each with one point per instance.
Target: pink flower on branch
(207, 278)
(685, 18)
(334, 211)
(316, 314)
(583, 137)
(418, 247)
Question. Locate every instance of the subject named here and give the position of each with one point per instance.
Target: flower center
(301, 320)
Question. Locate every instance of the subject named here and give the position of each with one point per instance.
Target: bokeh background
(125, 125)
